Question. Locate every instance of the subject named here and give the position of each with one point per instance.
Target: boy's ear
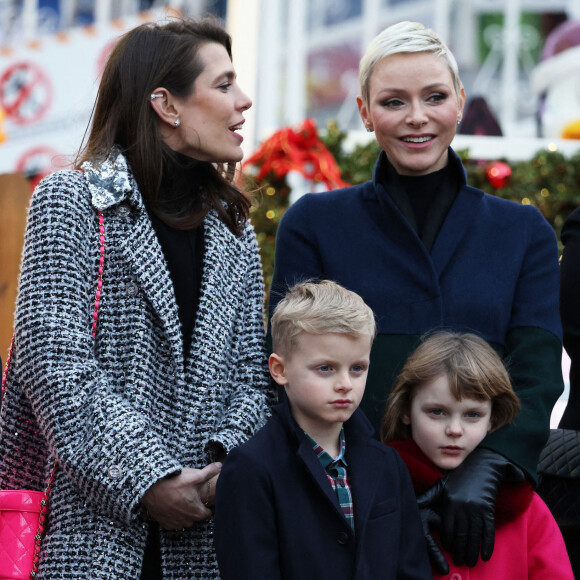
(277, 368)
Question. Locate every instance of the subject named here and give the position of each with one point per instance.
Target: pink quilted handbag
(23, 512)
(21, 519)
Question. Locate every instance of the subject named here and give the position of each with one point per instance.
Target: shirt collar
(325, 459)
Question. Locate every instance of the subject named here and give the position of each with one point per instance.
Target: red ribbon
(298, 149)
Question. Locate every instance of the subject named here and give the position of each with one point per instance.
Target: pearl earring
(176, 123)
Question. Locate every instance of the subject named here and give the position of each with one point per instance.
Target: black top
(570, 314)
(183, 249)
(424, 200)
(421, 191)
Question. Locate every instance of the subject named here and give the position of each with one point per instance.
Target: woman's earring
(176, 123)
(369, 130)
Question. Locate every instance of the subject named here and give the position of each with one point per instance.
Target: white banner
(47, 91)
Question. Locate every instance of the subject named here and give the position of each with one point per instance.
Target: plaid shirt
(336, 474)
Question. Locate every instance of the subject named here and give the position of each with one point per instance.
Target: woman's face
(212, 116)
(413, 110)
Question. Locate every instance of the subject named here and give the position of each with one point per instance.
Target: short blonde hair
(405, 37)
(319, 308)
(473, 368)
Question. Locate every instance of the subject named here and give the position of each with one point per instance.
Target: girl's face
(445, 429)
(413, 109)
(212, 116)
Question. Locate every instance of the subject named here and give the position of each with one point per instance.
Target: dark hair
(149, 56)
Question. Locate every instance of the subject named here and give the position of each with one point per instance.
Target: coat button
(115, 472)
(123, 210)
(132, 289)
(342, 538)
(455, 576)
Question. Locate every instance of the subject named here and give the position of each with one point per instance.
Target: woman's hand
(430, 520)
(467, 504)
(176, 502)
(207, 491)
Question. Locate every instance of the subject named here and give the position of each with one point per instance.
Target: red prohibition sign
(36, 163)
(25, 93)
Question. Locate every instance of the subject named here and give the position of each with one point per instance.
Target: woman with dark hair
(135, 397)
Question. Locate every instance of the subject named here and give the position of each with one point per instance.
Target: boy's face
(445, 429)
(325, 379)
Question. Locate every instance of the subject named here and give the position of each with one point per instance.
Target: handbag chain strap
(44, 501)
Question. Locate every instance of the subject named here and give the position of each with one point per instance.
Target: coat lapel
(362, 472)
(456, 226)
(111, 183)
(143, 253)
(306, 454)
(316, 470)
(222, 274)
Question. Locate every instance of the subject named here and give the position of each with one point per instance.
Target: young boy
(312, 495)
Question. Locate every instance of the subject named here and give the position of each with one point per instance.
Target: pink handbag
(23, 512)
(22, 515)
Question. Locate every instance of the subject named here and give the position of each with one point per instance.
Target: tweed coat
(124, 409)
(492, 270)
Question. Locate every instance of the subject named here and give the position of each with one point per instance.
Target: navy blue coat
(492, 270)
(277, 516)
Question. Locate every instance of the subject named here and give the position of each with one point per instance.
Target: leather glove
(431, 519)
(467, 504)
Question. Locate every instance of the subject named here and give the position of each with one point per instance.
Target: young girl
(452, 391)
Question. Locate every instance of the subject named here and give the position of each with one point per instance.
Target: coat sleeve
(81, 412)
(251, 395)
(534, 349)
(245, 538)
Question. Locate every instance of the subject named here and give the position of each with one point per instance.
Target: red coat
(528, 542)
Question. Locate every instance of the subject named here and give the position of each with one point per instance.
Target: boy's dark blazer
(277, 516)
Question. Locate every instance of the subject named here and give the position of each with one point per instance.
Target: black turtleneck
(421, 191)
(424, 200)
(183, 249)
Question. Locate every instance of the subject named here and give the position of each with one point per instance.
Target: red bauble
(498, 174)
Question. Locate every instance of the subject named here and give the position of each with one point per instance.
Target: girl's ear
(406, 419)
(278, 368)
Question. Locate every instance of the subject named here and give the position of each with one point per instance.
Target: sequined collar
(109, 181)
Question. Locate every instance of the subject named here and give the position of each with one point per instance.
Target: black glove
(467, 504)
(431, 519)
